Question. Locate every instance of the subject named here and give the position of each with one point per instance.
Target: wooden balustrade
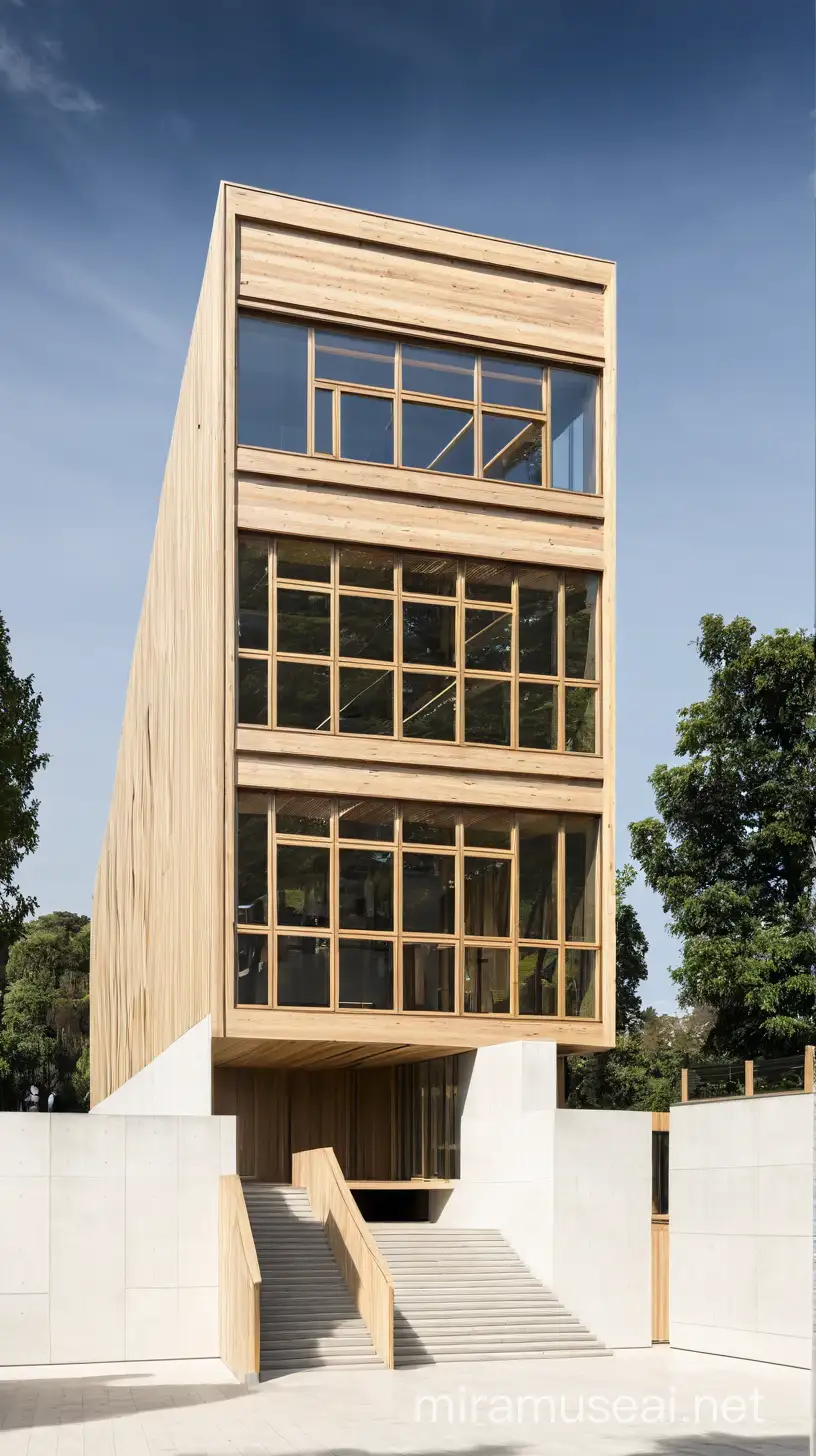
(359, 1260)
(239, 1284)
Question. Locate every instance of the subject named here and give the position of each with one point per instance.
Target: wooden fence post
(808, 1069)
(749, 1079)
(684, 1084)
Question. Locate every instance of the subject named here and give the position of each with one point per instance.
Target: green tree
(19, 762)
(44, 1023)
(731, 848)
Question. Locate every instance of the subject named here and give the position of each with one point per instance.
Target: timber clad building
(363, 809)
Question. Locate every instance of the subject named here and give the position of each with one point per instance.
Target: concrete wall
(177, 1083)
(570, 1190)
(741, 1208)
(109, 1236)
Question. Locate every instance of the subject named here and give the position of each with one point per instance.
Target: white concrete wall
(109, 1236)
(177, 1083)
(741, 1243)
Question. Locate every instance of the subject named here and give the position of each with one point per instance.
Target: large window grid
(471, 911)
(376, 400)
(438, 649)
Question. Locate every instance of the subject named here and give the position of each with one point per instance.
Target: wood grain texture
(158, 920)
(389, 1033)
(362, 1265)
(239, 1283)
(660, 1278)
(317, 1052)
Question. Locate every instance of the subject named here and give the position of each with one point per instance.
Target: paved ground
(636, 1403)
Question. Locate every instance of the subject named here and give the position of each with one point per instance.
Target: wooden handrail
(358, 1257)
(239, 1283)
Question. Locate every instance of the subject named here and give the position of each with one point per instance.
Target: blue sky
(674, 138)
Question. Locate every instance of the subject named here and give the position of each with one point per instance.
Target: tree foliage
(19, 762)
(731, 848)
(44, 1022)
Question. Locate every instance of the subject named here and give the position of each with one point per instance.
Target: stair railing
(239, 1284)
(362, 1265)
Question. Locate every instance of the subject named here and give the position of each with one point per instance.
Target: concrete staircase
(308, 1317)
(463, 1294)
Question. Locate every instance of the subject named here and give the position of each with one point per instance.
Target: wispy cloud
(23, 74)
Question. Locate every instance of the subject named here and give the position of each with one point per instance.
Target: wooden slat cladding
(157, 946)
(391, 285)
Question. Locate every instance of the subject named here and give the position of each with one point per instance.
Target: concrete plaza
(633, 1403)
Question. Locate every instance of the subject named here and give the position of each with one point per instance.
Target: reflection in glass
(487, 980)
(252, 870)
(253, 675)
(579, 714)
(581, 593)
(304, 696)
(538, 622)
(366, 700)
(537, 981)
(272, 384)
(429, 634)
(431, 576)
(488, 581)
(572, 428)
(366, 889)
(487, 896)
(579, 853)
(302, 814)
(429, 823)
(518, 385)
(428, 893)
(252, 971)
(366, 566)
(367, 974)
(324, 422)
(437, 371)
(435, 437)
(429, 706)
(488, 636)
(253, 592)
(304, 622)
(366, 819)
(487, 711)
(367, 628)
(579, 982)
(352, 359)
(487, 828)
(302, 971)
(428, 977)
(302, 885)
(538, 877)
(511, 449)
(538, 717)
(367, 428)
(303, 560)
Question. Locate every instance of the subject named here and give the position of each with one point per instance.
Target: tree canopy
(730, 850)
(44, 1021)
(19, 762)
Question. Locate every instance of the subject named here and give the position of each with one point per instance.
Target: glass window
(429, 575)
(579, 983)
(429, 823)
(303, 560)
(302, 814)
(304, 622)
(366, 819)
(324, 422)
(253, 678)
(367, 628)
(538, 715)
(367, 974)
(367, 567)
(352, 359)
(579, 714)
(429, 634)
(302, 971)
(487, 896)
(366, 700)
(428, 977)
(580, 873)
(487, 828)
(437, 371)
(429, 706)
(538, 622)
(581, 593)
(253, 593)
(488, 636)
(367, 428)
(252, 875)
(487, 711)
(304, 696)
(428, 893)
(537, 981)
(252, 971)
(302, 885)
(511, 449)
(272, 373)
(489, 581)
(487, 980)
(538, 877)
(517, 385)
(435, 437)
(366, 889)
(572, 428)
